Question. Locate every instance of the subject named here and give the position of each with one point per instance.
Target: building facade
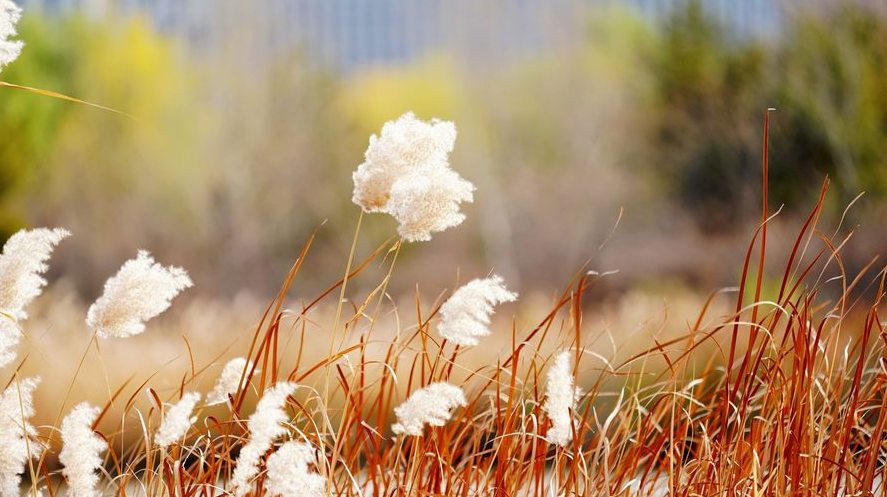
(351, 34)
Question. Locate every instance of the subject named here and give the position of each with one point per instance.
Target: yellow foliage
(430, 88)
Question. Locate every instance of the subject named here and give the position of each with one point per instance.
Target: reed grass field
(772, 386)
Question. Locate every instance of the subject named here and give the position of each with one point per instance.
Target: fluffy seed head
(465, 316)
(430, 405)
(22, 264)
(407, 174)
(426, 203)
(81, 451)
(10, 14)
(140, 290)
(406, 146)
(289, 475)
(9, 337)
(562, 397)
(265, 425)
(17, 436)
(227, 384)
(177, 420)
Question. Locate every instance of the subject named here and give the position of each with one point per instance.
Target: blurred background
(248, 118)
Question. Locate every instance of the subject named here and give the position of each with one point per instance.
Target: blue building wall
(350, 34)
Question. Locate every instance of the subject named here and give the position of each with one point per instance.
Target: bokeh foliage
(825, 75)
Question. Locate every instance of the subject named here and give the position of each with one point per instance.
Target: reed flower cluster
(10, 49)
(177, 420)
(81, 451)
(228, 382)
(560, 403)
(265, 426)
(140, 290)
(465, 317)
(22, 264)
(431, 406)
(289, 473)
(407, 175)
(18, 440)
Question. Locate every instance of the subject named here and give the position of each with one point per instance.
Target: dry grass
(761, 396)
(213, 331)
(749, 394)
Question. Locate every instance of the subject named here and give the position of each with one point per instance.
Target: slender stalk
(381, 294)
(21, 406)
(334, 331)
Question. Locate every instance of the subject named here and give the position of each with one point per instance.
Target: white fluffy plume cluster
(140, 290)
(407, 175)
(562, 396)
(177, 420)
(228, 382)
(465, 316)
(17, 436)
(81, 451)
(265, 425)
(289, 474)
(10, 14)
(431, 405)
(22, 263)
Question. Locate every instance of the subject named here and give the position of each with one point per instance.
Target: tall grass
(781, 394)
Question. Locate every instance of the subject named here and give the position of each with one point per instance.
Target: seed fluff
(81, 451)
(17, 436)
(265, 425)
(10, 49)
(562, 397)
(465, 316)
(407, 175)
(22, 264)
(289, 474)
(140, 290)
(177, 420)
(428, 406)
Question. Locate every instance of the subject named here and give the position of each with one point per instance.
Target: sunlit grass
(801, 410)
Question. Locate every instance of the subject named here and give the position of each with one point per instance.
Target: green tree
(832, 99)
(710, 99)
(93, 171)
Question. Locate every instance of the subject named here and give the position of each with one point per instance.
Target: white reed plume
(562, 397)
(289, 474)
(177, 420)
(81, 451)
(17, 436)
(9, 338)
(10, 14)
(430, 405)
(265, 425)
(228, 382)
(22, 263)
(465, 316)
(407, 174)
(404, 147)
(426, 203)
(140, 290)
